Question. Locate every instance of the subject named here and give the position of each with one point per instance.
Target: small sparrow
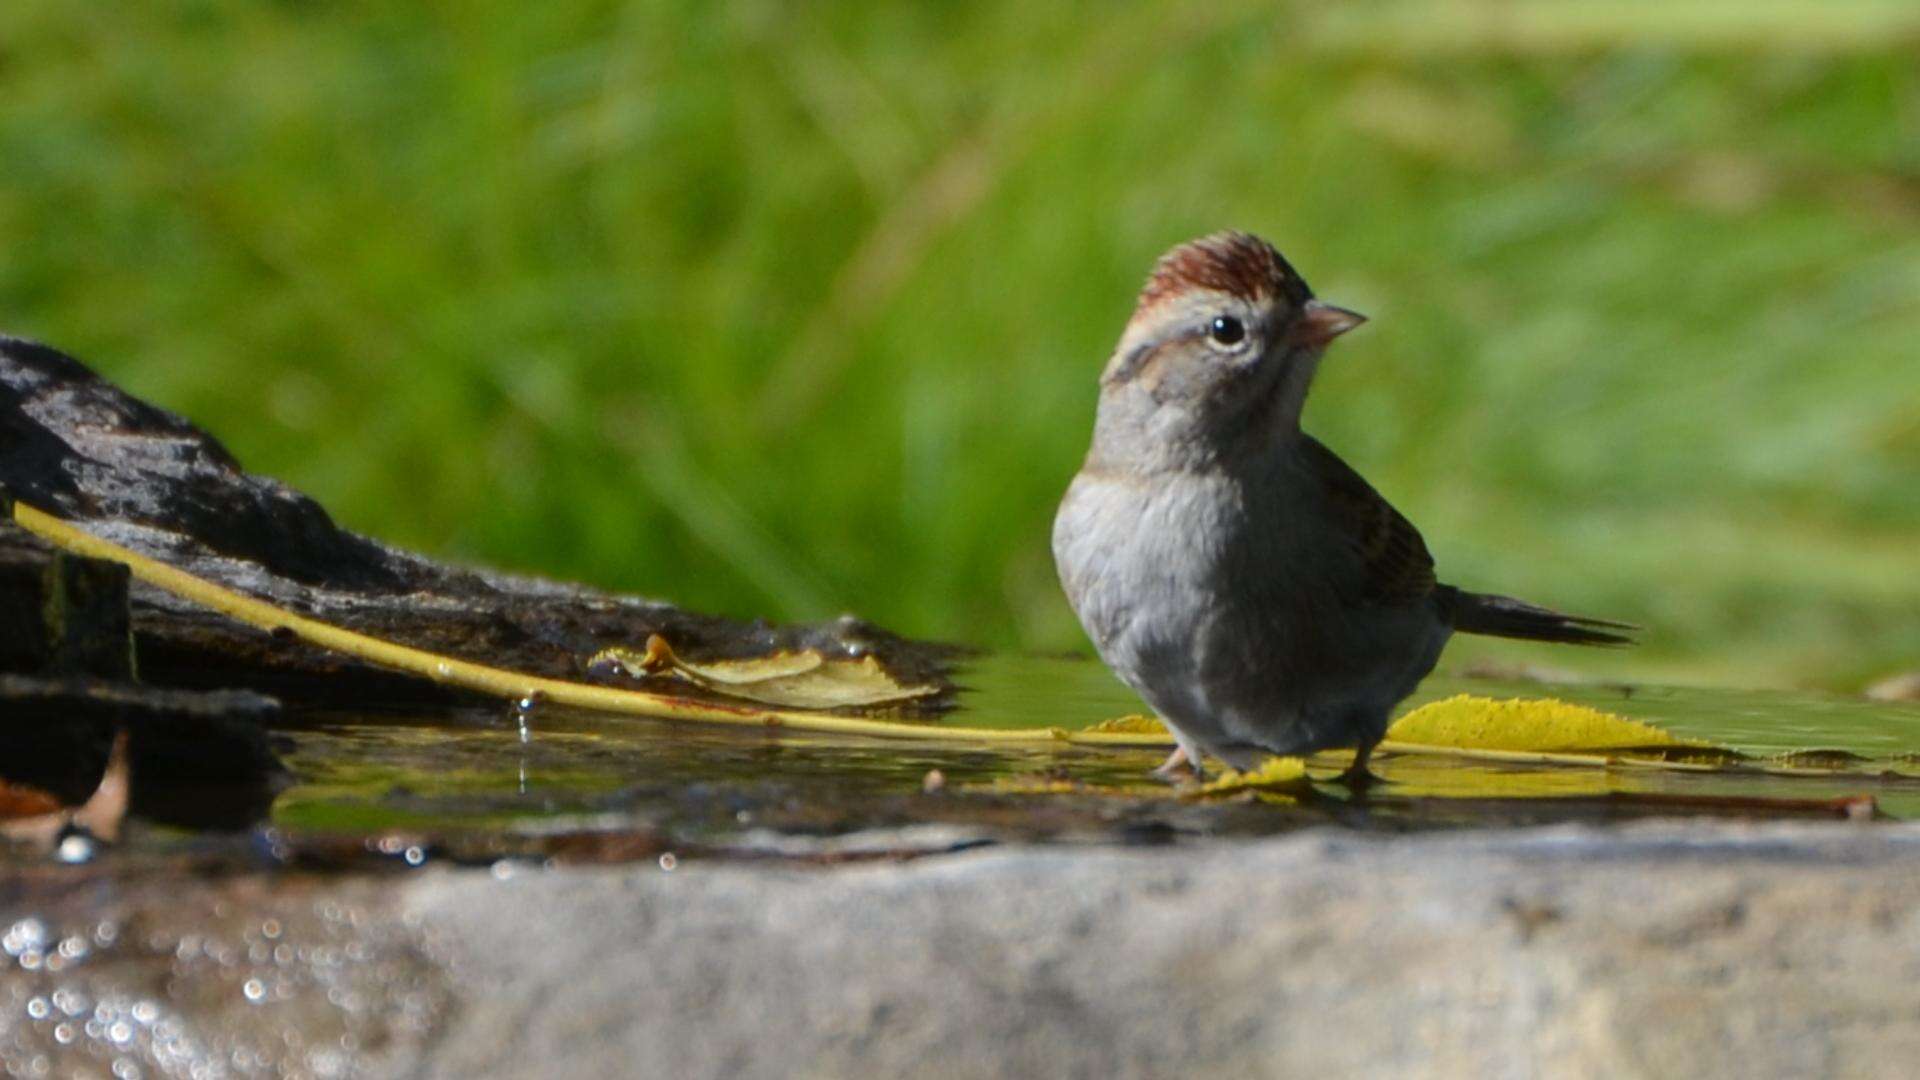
(1242, 579)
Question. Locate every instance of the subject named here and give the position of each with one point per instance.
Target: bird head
(1217, 359)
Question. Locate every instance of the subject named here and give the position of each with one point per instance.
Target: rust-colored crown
(1236, 263)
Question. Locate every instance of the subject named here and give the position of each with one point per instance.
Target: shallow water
(468, 778)
(159, 959)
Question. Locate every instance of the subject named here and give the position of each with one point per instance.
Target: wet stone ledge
(1721, 950)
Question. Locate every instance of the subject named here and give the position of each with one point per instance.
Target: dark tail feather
(1503, 616)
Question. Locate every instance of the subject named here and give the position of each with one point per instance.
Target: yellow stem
(513, 684)
(502, 683)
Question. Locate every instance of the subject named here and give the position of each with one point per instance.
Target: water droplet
(529, 702)
(270, 929)
(76, 848)
(146, 1012)
(27, 935)
(326, 1063)
(125, 1069)
(75, 947)
(70, 1001)
(443, 669)
(416, 855)
(39, 1009)
(669, 861)
(120, 1031)
(63, 1033)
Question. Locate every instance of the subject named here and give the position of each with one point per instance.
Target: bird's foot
(1358, 779)
(1180, 766)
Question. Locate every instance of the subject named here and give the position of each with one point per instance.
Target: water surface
(494, 771)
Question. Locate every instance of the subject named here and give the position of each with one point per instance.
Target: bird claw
(1358, 779)
(1180, 762)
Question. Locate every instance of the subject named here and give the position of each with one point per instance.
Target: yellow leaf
(1539, 724)
(1132, 724)
(801, 678)
(1029, 785)
(1274, 772)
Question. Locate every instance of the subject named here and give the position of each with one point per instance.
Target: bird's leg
(1171, 768)
(1357, 778)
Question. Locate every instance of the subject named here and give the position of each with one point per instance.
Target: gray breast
(1142, 567)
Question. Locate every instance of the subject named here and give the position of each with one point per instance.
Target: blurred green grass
(786, 310)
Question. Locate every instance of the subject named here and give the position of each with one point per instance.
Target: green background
(795, 309)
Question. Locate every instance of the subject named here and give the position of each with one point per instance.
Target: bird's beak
(1320, 323)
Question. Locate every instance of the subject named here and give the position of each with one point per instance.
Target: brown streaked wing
(1395, 565)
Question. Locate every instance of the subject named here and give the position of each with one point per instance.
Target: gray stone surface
(1660, 951)
(1667, 950)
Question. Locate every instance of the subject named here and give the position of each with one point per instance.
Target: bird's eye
(1226, 330)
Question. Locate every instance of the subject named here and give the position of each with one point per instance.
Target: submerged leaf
(1131, 724)
(1053, 783)
(1468, 722)
(1456, 777)
(801, 679)
(1029, 785)
(1819, 758)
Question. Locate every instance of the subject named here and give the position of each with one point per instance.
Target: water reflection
(470, 769)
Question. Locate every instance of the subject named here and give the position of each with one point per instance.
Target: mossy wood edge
(505, 684)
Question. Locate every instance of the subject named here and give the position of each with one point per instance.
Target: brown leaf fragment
(18, 801)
